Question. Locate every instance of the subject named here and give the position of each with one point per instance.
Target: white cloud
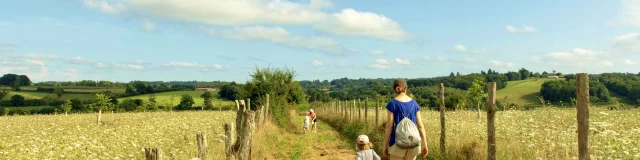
(193, 65)
(232, 12)
(367, 24)
(376, 52)
(427, 58)
(316, 63)
(214, 67)
(380, 64)
(318, 4)
(524, 29)
(460, 48)
(536, 60)
(607, 63)
(480, 51)
(65, 75)
(40, 56)
(101, 65)
(148, 26)
(80, 61)
(577, 58)
(130, 66)
(105, 6)
(630, 62)
(630, 13)
(279, 35)
(183, 65)
(442, 59)
(469, 59)
(628, 42)
(497, 63)
(403, 61)
(35, 69)
(6, 47)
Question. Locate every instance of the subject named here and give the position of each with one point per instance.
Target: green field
(163, 98)
(522, 92)
(28, 108)
(72, 89)
(38, 95)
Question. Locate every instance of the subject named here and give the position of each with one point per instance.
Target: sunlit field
(121, 136)
(164, 98)
(543, 133)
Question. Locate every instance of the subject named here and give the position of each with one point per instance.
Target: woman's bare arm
(421, 129)
(388, 128)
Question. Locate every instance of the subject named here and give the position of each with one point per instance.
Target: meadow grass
(523, 92)
(164, 97)
(26, 95)
(28, 108)
(39, 95)
(543, 133)
(77, 89)
(121, 136)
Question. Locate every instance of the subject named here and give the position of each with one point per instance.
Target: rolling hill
(522, 92)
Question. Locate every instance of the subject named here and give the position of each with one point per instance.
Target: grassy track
(163, 98)
(522, 92)
(325, 144)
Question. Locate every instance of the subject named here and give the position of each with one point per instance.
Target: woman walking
(312, 114)
(401, 107)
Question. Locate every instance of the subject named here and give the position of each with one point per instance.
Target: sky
(209, 40)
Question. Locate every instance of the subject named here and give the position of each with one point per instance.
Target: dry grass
(543, 133)
(121, 136)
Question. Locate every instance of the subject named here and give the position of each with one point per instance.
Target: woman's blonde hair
(367, 146)
(400, 86)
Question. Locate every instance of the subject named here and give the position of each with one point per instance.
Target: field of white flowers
(121, 136)
(544, 133)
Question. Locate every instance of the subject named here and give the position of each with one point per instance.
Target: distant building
(553, 77)
(206, 89)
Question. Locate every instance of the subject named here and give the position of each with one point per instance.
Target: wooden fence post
(266, 112)
(202, 145)
(240, 120)
(366, 106)
(491, 130)
(359, 107)
(228, 140)
(244, 151)
(443, 129)
(248, 105)
(237, 105)
(582, 85)
(377, 111)
(259, 115)
(152, 154)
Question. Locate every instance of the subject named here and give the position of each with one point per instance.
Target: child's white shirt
(306, 121)
(367, 155)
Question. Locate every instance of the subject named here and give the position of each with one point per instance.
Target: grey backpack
(407, 134)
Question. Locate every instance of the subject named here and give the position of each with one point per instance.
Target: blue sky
(124, 40)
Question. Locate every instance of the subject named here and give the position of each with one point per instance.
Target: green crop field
(27, 95)
(163, 98)
(38, 95)
(78, 89)
(28, 108)
(522, 92)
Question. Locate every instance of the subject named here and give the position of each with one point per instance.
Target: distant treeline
(348, 89)
(110, 84)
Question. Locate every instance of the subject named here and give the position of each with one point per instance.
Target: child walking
(365, 149)
(306, 123)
